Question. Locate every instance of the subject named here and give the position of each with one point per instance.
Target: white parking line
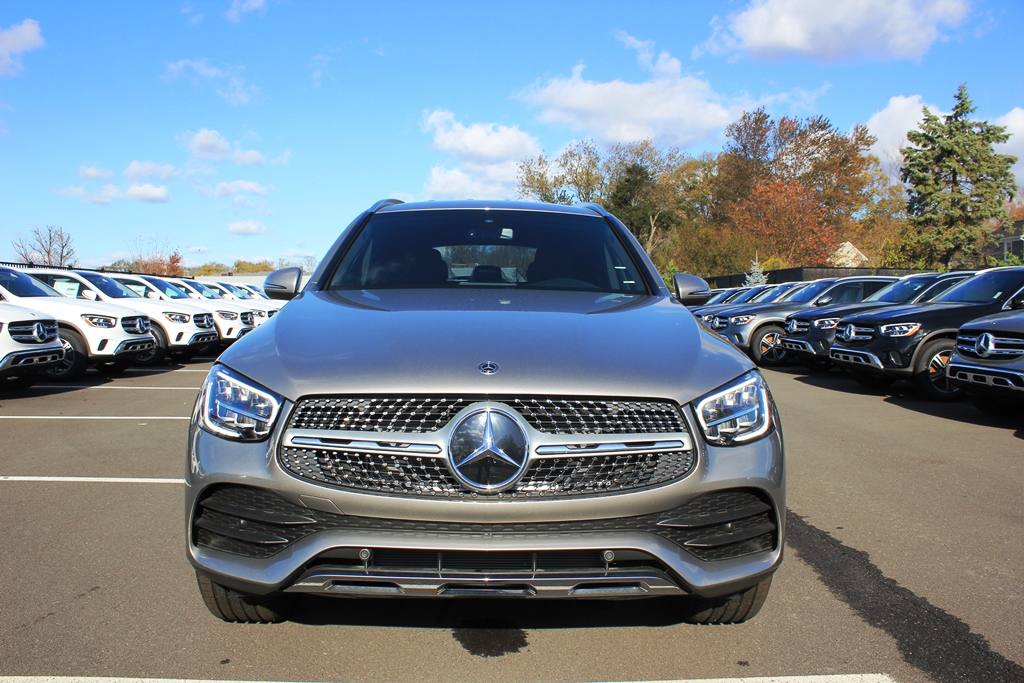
(832, 678)
(94, 480)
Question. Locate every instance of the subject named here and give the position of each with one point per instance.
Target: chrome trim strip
(855, 357)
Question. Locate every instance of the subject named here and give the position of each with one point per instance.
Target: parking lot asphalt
(903, 559)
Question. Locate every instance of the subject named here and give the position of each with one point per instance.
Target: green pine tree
(956, 183)
(756, 276)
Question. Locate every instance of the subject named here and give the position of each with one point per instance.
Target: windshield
(985, 288)
(166, 288)
(237, 291)
(809, 292)
(203, 290)
(717, 297)
(902, 291)
(20, 284)
(774, 294)
(747, 295)
(454, 248)
(109, 286)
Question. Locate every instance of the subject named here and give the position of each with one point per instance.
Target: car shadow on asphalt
(489, 614)
(902, 394)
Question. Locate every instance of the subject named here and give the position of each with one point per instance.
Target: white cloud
(238, 187)
(150, 194)
(1014, 122)
(93, 173)
(835, 31)
(240, 8)
(108, 193)
(248, 157)
(891, 125)
(209, 144)
(140, 170)
(228, 83)
(480, 143)
(485, 153)
(249, 227)
(669, 108)
(19, 38)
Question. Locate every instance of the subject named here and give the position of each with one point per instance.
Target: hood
(155, 307)
(12, 313)
(914, 312)
(1007, 321)
(432, 342)
(73, 309)
(840, 310)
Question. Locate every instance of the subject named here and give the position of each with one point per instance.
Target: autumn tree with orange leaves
(786, 219)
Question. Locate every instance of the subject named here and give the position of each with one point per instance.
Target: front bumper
(889, 356)
(20, 362)
(256, 528)
(998, 380)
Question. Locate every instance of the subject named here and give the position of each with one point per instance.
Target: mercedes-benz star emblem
(39, 332)
(985, 345)
(488, 451)
(488, 367)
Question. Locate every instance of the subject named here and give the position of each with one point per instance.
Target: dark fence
(804, 274)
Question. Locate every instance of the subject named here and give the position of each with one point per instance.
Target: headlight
(236, 408)
(738, 413)
(180, 318)
(826, 323)
(99, 320)
(228, 315)
(741, 319)
(260, 314)
(899, 329)
(708, 318)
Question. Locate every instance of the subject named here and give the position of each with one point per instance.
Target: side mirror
(823, 301)
(150, 294)
(1018, 303)
(283, 284)
(89, 294)
(690, 289)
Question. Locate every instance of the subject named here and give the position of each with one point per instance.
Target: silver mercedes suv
(485, 399)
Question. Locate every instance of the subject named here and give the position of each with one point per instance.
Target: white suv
(28, 344)
(232, 320)
(199, 290)
(179, 329)
(264, 310)
(107, 335)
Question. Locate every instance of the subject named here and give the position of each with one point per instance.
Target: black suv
(989, 362)
(810, 333)
(915, 342)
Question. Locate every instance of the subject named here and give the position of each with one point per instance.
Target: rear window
(451, 248)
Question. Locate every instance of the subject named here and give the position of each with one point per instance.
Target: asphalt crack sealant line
(928, 638)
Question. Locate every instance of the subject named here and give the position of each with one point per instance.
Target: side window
(846, 293)
(872, 286)
(67, 287)
(940, 287)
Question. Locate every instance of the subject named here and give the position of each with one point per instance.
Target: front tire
(76, 358)
(230, 605)
(729, 609)
(930, 372)
(766, 347)
(157, 354)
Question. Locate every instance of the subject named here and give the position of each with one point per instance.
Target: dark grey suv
(485, 399)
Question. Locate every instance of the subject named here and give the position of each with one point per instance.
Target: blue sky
(257, 129)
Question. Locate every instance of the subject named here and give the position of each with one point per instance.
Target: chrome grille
(32, 332)
(997, 347)
(203, 320)
(247, 318)
(798, 326)
(855, 333)
(719, 323)
(429, 476)
(428, 414)
(135, 324)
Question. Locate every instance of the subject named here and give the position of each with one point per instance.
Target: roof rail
(385, 202)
